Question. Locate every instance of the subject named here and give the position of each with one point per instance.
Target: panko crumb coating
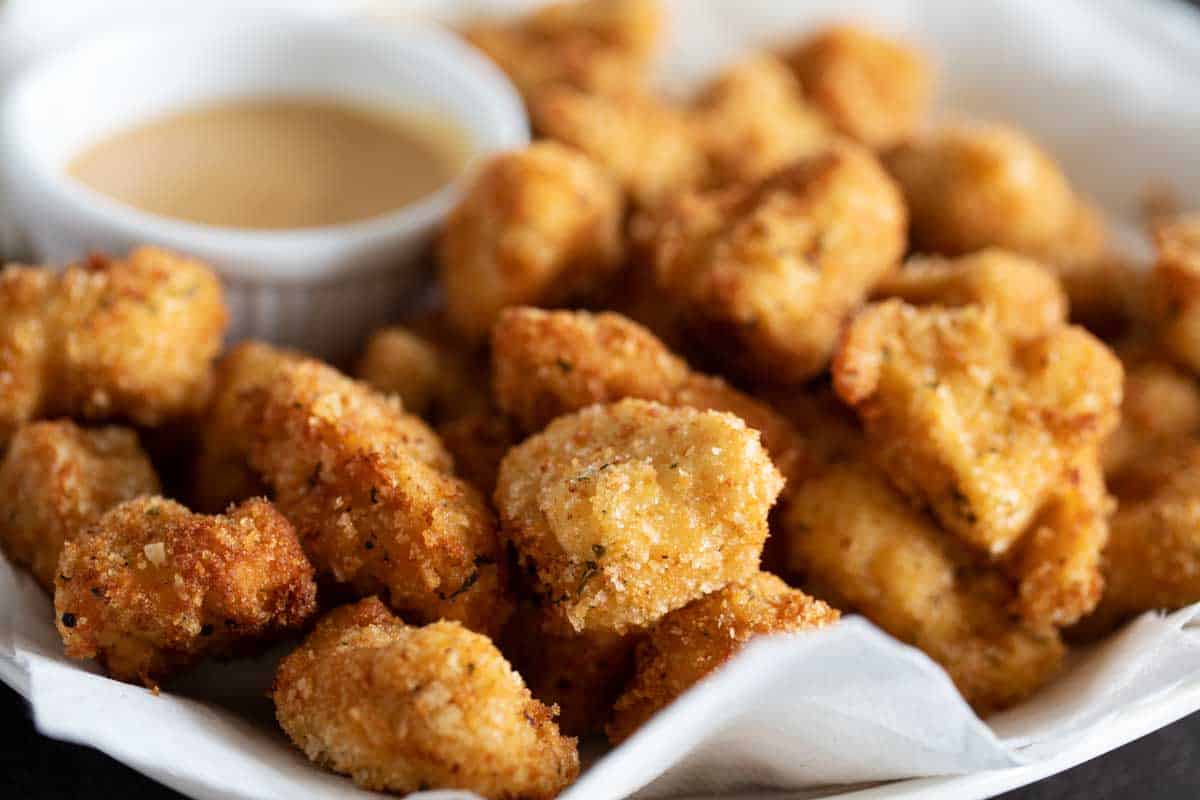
(549, 363)
(861, 545)
(479, 441)
(1177, 269)
(56, 479)
(151, 588)
(688, 644)
(965, 421)
(622, 513)
(537, 226)
(1026, 298)
(872, 88)
(108, 339)
(406, 709)
(771, 271)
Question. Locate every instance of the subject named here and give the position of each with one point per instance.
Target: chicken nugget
(874, 89)
(150, 588)
(1160, 410)
(688, 644)
(537, 226)
(479, 441)
(621, 513)
(57, 478)
(1177, 269)
(770, 272)
(969, 423)
(108, 339)
(860, 545)
(407, 709)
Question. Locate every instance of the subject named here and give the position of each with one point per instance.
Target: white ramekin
(319, 289)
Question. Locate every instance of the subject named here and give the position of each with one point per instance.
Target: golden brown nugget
(753, 119)
(151, 588)
(1177, 269)
(372, 508)
(130, 339)
(860, 545)
(969, 423)
(771, 271)
(1026, 298)
(594, 45)
(872, 88)
(646, 145)
(688, 644)
(549, 363)
(1160, 409)
(479, 441)
(57, 478)
(407, 709)
(537, 226)
(622, 513)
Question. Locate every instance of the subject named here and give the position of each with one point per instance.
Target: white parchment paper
(1111, 86)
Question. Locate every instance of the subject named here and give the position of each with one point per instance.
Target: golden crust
(131, 339)
(538, 226)
(688, 644)
(479, 441)
(1177, 269)
(963, 420)
(56, 479)
(406, 709)
(1161, 409)
(621, 513)
(151, 588)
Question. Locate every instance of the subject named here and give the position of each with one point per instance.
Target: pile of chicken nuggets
(700, 372)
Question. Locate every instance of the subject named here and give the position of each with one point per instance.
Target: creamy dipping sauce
(274, 164)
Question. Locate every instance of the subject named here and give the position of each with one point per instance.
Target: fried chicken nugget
(1177, 269)
(479, 441)
(859, 544)
(151, 588)
(969, 423)
(688, 644)
(1026, 298)
(621, 513)
(1160, 409)
(771, 271)
(537, 226)
(57, 478)
(872, 88)
(407, 709)
(549, 363)
(131, 339)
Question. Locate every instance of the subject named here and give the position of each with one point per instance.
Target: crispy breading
(407, 709)
(549, 363)
(1177, 268)
(108, 339)
(860, 545)
(537, 226)
(688, 644)
(752, 119)
(479, 441)
(1161, 409)
(150, 588)
(1026, 298)
(594, 45)
(57, 478)
(874, 89)
(645, 144)
(969, 423)
(769, 272)
(622, 513)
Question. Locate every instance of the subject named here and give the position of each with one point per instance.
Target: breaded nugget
(130, 339)
(57, 478)
(771, 271)
(549, 363)
(479, 441)
(688, 644)
(621, 513)
(859, 544)
(407, 709)
(1161, 409)
(151, 588)
(1026, 298)
(753, 119)
(969, 423)
(370, 493)
(1177, 269)
(594, 45)
(646, 145)
(872, 88)
(537, 226)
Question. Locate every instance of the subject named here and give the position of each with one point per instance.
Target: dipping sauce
(274, 164)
